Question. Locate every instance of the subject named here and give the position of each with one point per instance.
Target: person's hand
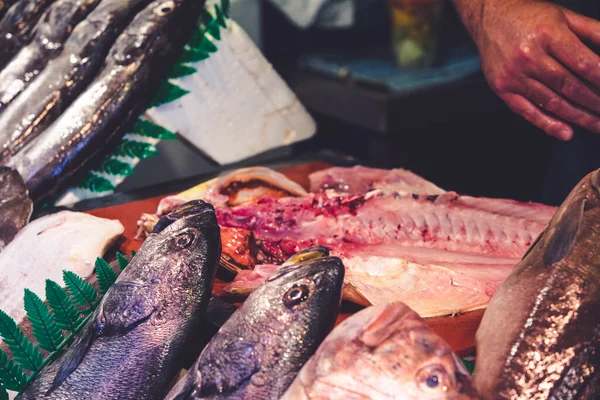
(534, 58)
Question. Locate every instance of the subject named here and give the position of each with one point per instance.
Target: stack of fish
(75, 73)
(539, 338)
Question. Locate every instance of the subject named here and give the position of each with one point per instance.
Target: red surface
(458, 331)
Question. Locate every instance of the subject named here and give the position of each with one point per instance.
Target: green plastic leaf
(106, 275)
(226, 5)
(198, 35)
(149, 129)
(97, 184)
(123, 262)
(3, 393)
(193, 56)
(45, 331)
(469, 364)
(23, 351)
(11, 374)
(207, 46)
(65, 314)
(167, 92)
(82, 292)
(220, 17)
(211, 25)
(132, 148)
(180, 70)
(112, 166)
(132, 253)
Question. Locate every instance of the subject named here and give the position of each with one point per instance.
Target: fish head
(177, 263)
(398, 350)
(147, 32)
(303, 294)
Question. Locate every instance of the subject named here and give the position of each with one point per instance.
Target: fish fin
(218, 311)
(74, 355)
(216, 374)
(563, 232)
(353, 294)
(385, 323)
(185, 388)
(125, 309)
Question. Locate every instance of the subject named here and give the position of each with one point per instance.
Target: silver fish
(48, 37)
(260, 349)
(132, 344)
(540, 336)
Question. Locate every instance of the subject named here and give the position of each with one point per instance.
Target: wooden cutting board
(459, 331)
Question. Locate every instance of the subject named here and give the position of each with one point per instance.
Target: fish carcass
(45, 247)
(383, 352)
(260, 349)
(47, 38)
(540, 336)
(439, 253)
(133, 344)
(15, 205)
(105, 108)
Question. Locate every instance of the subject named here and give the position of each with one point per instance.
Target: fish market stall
(309, 275)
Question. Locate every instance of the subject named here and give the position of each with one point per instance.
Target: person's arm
(534, 58)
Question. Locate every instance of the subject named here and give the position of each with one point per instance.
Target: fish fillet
(45, 247)
(361, 179)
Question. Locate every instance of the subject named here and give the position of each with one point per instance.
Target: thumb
(585, 28)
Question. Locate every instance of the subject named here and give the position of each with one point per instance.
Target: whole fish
(16, 26)
(65, 77)
(15, 205)
(383, 352)
(260, 349)
(48, 37)
(131, 347)
(540, 336)
(119, 92)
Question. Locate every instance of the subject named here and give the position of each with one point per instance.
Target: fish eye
(165, 9)
(183, 240)
(296, 295)
(433, 379)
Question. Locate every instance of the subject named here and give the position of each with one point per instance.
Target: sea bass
(45, 247)
(132, 345)
(16, 26)
(260, 349)
(540, 336)
(66, 76)
(48, 36)
(383, 352)
(15, 205)
(121, 90)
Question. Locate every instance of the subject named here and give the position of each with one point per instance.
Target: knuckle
(525, 52)
(500, 84)
(583, 66)
(554, 104)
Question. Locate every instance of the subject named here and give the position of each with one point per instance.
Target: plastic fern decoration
(65, 314)
(3, 393)
(106, 275)
(45, 330)
(123, 262)
(23, 351)
(11, 374)
(82, 292)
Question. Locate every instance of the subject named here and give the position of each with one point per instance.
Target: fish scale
(541, 327)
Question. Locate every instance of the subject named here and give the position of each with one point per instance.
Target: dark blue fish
(134, 344)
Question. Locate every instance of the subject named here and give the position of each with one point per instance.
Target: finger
(578, 58)
(562, 81)
(550, 101)
(552, 126)
(584, 27)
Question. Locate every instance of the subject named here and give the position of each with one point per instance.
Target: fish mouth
(194, 208)
(320, 268)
